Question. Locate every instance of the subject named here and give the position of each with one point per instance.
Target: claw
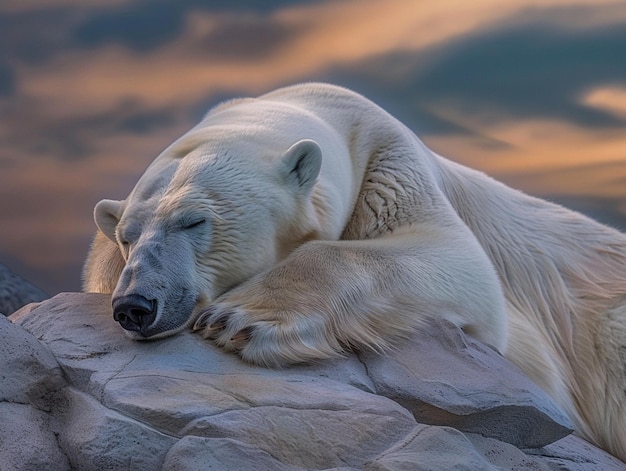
(211, 324)
(238, 341)
(203, 317)
(214, 328)
(243, 335)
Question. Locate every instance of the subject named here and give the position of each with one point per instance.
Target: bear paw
(268, 338)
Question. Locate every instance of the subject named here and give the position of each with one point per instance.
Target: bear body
(290, 227)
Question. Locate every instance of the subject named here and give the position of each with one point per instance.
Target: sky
(531, 92)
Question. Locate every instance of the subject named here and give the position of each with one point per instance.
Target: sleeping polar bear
(307, 221)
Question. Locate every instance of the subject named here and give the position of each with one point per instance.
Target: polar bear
(307, 221)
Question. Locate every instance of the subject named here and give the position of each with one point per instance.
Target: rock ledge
(77, 394)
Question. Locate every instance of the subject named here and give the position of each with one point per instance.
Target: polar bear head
(209, 213)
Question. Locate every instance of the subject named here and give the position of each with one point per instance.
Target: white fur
(307, 221)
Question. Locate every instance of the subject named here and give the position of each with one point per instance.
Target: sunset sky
(531, 92)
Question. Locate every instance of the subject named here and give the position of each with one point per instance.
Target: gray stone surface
(29, 370)
(510, 408)
(75, 389)
(30, 377)
(27, 440)
(16, 292)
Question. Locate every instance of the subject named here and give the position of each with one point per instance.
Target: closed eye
(193, 224)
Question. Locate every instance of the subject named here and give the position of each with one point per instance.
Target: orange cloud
(49, 226)
(49, 221)
(327, 34)
(611, 99)
(543, 156)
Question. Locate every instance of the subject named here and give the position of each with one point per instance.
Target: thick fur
(293, 226)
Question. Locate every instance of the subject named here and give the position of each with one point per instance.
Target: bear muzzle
(135, 313)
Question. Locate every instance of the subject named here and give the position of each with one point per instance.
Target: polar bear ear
(302, 163)
(107, 214)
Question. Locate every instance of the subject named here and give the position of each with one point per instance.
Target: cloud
(529, 71)
(561, 161)
(521, 72)
(320, 39)
(486, 53)
(47, 205)
(163, 20)
(91, 92)
(40, 133)
(39, 6)
(34, 35)
(611, 99)
(7, 80)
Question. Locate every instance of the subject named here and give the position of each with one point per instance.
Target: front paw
(226, 326)
(268, 337)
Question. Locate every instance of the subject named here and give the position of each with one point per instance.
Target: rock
(429, 447)
(29, 370)
(575, 454)
(181, 403)
(16, 292)
(27, 440)
(193, 453)
(96, 438)
(440, 381)
(29, 377)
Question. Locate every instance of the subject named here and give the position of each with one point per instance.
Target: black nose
(134, 312)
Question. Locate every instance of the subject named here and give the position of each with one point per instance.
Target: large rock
(16, 292)
(30, 377)
(441, 401)
(447, 378)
